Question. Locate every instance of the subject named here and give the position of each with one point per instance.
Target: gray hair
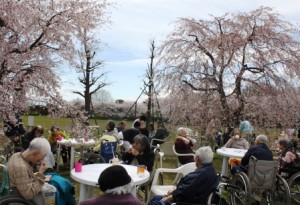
(262, 139)
(143, 140)
(121, 189)
(41, 145)
(181, 130)
(205, 154)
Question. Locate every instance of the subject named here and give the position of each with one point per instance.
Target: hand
(166, 199)
(169, 193)
(133, 151)
(43, 167)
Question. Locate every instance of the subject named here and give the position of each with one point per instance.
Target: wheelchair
(291, 173)
(261, 183)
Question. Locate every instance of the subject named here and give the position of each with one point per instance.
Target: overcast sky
(136, 22)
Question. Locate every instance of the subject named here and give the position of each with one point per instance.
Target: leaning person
(140, 153)
(116, 185)
(20, 167)
(195, 187)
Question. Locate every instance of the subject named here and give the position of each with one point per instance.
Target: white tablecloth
(88, 178)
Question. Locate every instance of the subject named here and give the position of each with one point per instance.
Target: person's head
(141, 143)
(143, 118)
(284, 144)
(122, 125)
(37, 131)
(115, 180)
(181, 131)
(38, 148)
(110, 125)
(54, 129)
(204, 155)
(261, 139)
(160, 124)
(137, 125)
(151, 127)
(236, 133)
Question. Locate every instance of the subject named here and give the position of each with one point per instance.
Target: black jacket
(260, 152)
(196, 186)
(145, 158)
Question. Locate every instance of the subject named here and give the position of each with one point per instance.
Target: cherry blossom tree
(35, 37)
(211, 63)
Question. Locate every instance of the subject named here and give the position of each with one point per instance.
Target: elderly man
(20, 167)
(260, 151)
(196, 186)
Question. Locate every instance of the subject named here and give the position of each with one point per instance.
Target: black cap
(112, 177)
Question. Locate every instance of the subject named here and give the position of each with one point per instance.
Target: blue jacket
(196, 186)
(260, 152)
(65, 193)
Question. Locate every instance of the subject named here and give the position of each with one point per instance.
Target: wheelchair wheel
(8, 200)
(294, 184)
(281, 193)
(243, 194)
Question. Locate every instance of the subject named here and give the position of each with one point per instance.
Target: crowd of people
(27, 168)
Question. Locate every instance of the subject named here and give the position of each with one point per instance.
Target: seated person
(128, 135)
(116, 185)
(236, 141)
(37, 131)
(161, 131)
(183, 145)
(14, 130)
(140, 153)
(20, 167)
(196, 186)
(110, 129)
(227, 135)
(287, 156)
(151, 130)
(260, 151)
(121, 126)
(53, 138)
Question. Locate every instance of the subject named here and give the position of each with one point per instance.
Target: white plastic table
(88, 178)
(229, 152)
(72, 143)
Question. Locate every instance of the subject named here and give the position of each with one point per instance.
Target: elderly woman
(116, 185)
(140, 153)
(183, 145)
(236, 141)
(287, 156)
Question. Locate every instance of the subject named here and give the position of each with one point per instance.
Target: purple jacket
(110, 199)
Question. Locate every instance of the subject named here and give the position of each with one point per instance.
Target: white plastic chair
(165, 150)
(179, 154)
(157, 189)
